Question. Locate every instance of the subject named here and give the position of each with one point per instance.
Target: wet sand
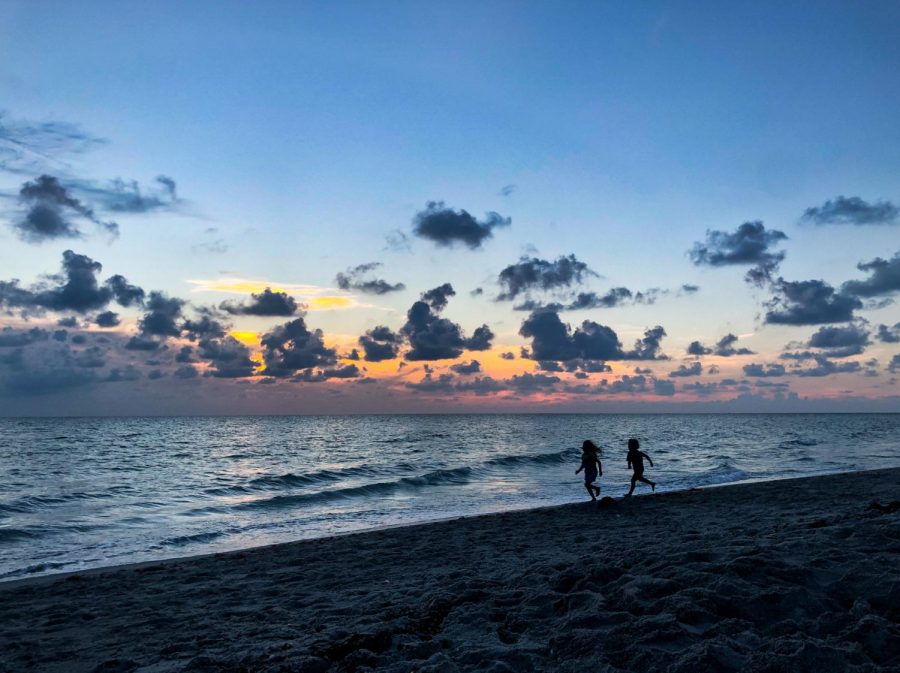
(797, 575)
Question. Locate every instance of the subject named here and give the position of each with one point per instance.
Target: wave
(455, 476)
(13, 534)
(277, 482)
(556, 457)
(196, 538)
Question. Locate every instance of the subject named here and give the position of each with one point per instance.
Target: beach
(789, 575)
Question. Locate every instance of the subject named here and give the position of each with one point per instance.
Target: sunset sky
(281, 207)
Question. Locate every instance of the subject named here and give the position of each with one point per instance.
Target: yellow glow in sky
(250, 339)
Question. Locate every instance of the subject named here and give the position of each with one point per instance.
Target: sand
(799, 575)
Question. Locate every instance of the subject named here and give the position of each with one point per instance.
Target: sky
(282, 207)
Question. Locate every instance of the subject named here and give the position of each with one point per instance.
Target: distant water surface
(84, 492)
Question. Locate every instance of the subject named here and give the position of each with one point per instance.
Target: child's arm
(599, 469)
(629, 462)
(648, 458)
(580, 468)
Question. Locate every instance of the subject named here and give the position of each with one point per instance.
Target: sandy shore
(800, 575)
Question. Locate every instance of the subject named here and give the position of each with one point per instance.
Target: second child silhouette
(636, 463)
(590, 463)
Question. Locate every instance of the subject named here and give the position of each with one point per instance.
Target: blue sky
(301, 136)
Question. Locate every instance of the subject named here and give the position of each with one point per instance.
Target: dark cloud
(884, 278)
(724, 348)
(438, 297)
(142, 343)
(614, 297)
(162, 315)
(11, 338)
(554, 340)
(663, 388)
(125, 293)
(809, 302)
(155, 374)
(292, 347)
(826, 367)
(764, 370)
(467, 368)
(480, 385)
(69, 321)
(840, 342)
(531, 274)
(429, 384)
(230, 359)
(446, 227)
(431, 337)
(889, 334)
(894, 364)
(206, 325)
(185, 354)
(76, 288)
(689, 289)
(507, 190)
(694, 369)
(49, 209)
(852, 210)
(265, 303)
(107, 319)
(127, 373)
(529, 383)
(380, 343)
(749, 245)
(699, 388)
(508, 355)
(185, 372)
(354, 279)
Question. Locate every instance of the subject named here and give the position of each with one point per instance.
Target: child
(590, 463)
(636, 462)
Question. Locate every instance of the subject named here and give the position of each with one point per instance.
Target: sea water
(85, 492)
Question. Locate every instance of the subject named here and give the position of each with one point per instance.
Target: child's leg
(590, 490)
(634, 479)
(647, 481)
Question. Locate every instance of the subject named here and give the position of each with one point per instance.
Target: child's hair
(633, 444)
(588, 445)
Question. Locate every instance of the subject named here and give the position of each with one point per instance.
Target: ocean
(78, 493)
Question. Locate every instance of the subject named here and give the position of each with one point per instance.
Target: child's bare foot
(653, 487)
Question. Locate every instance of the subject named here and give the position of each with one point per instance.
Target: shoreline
(795, 574)
(415, 524)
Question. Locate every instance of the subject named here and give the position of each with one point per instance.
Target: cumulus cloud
(292, 346)
(531, 274)
(467, 368)
(809, 302)
(554, 340)
(764, 370)
(447, 227)
(852, 210)
(380, 343)
(162, 315)
(889, 334)
(750, 245)
(52, 212)
(884, 278)
(206, 325)
(724, 348)
(438, 297)
(694, 369)
(265, 303)
(613, 297)
(228, 357)
(840, 342)
(826, 367)
(354, 279)
(431, 337)
(107, 319)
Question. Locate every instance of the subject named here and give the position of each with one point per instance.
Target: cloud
(75, 289)
(894, 364)
(203, 327)
(531, 274)
(509, 355)
(689, 289)
(292, 346)
(353, 279)
(431, 337)
(438, 297)
(121, 196)
(162, 315)
(884, 278)
(809, 302)
(380, 343)
(467, 368)
(49, 209)
(481, 385)
(265, 303)
(229, 358)
(507, 190)
(724, 348)
(107, 319)
(840, 342)
(764, 370)
(852, 210)
(554, 340)
(447, 227)
(889, 334)
(185, 372)
(826, 367)
(429, 384)
(529, 383)
(125, 293)
(663, 388)
(11, 338)
(694, 369)
(28, 147)
(749, 245)
(614, 297)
